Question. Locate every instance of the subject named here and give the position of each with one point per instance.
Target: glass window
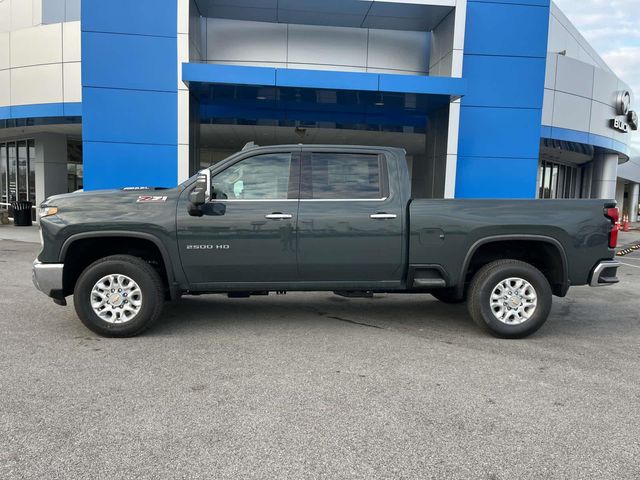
(74, 166)
(22, 171)
(4, 183)
(343, 176)
(558, 180)
(263, 177)
(13, 172)
(31, 150)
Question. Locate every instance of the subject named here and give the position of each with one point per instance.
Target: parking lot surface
(312, 385)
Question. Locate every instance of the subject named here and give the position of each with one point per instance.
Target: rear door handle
(383, 216)
(278, 216)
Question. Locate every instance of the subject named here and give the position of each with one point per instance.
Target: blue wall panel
(499, 132)
(512, 82)
(135, 17)
(149, 124)
(504, 65)
(129, 89)
(506, 29)
(233, 74)
(540, 3)
(41, 111)
(110, 165)
(37, 110)
(328, 79)
(151, 59)
(497, 177)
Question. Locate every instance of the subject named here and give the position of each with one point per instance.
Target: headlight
(47, 211)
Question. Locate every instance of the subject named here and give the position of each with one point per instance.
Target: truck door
(350, 220)
(247, 235)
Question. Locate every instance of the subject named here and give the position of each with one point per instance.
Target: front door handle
(278, 216)
(383, 216)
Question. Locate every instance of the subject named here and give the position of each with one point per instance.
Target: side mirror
(200, 194)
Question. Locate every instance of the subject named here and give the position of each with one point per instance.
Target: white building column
(620, 189)
(183, 91)
(605, 174)
(51, 165)
(634, 196)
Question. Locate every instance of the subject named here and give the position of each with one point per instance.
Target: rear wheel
(119, 296)
(509, 298)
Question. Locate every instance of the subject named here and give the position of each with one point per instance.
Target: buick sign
(627, 119)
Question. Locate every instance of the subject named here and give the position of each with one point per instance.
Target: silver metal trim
(300, 200)
(595, 276)
(278, 216)
(216, 200)
(344, 199)
(383, 216)
(47, 277)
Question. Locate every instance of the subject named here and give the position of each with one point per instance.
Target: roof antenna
(249, 145)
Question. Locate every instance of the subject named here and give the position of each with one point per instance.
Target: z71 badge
(151, 199)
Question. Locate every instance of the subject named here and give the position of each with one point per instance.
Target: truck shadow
(419, 314)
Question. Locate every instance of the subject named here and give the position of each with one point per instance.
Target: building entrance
(17, 172)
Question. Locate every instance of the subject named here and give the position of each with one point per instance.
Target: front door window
(263, 177)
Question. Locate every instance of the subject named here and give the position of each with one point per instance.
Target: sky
(612, 27)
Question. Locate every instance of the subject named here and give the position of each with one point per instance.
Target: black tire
(485, 281)
(448, 296)
(141, 273)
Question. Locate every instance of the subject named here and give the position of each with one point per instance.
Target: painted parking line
(629, 265)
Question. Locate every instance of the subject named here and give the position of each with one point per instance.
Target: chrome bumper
(605, 274)
(47, 277)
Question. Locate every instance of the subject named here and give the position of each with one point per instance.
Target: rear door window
(344, 176)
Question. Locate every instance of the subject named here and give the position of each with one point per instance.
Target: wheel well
(545, 256)
(83, 252)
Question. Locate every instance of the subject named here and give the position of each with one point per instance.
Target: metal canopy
(391, 15)
(341, 99)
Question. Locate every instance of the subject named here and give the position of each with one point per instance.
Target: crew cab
(317, 218)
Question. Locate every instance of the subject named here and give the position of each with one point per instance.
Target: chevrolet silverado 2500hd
(317, 218)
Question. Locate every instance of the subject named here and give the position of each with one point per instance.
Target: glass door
(4, 181)
(23, 170)
(17, 172)
(31, 158)
(13, 172)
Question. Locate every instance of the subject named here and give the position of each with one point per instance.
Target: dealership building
(490, 99)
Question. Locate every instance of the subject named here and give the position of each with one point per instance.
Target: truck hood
(113, 207)
(83, 196)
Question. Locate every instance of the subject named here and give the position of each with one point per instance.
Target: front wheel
(509, 298)
(119, 296)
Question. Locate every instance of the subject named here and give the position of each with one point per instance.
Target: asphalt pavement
(313, 385)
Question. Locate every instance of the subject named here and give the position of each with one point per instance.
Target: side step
(427, 276)
(354, 293)
(429, 283)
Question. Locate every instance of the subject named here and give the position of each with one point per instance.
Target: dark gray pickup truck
(332, 218)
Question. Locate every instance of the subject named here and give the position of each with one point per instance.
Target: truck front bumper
(605, 273)
(47, 277)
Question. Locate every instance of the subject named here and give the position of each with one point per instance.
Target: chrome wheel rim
(116, 298)
(513, 301)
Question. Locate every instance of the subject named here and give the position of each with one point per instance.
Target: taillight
(614, 215)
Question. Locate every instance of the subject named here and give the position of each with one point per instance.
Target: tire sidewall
(86, 282)
(543, 292)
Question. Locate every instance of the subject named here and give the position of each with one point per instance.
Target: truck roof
(252, 146)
